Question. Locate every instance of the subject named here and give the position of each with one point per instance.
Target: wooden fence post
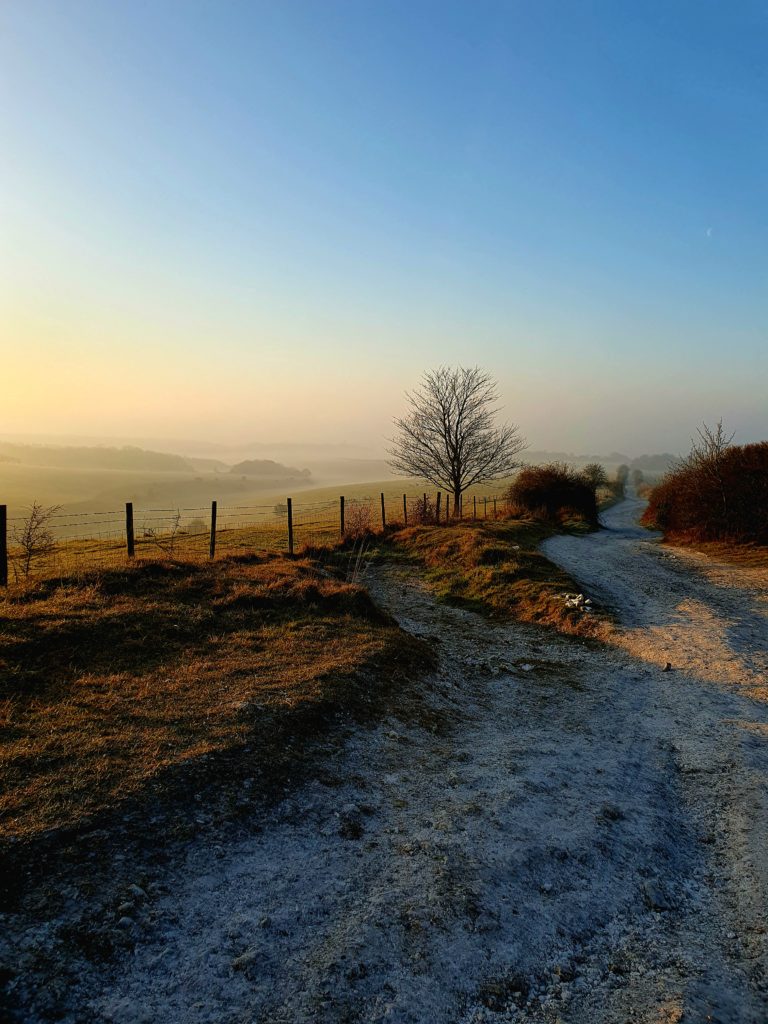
(3, 545)
(383, 513)
(129, 528)
(289, 503)
(437, 509)
(405, 511)
(485, 508)
(494, 508)
(341, 514)
(212, 549)
(474, 506)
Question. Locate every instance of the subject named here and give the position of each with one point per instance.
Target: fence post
(129, 528)
(341, 514)
(494, 508)
(289, 503)
(3, 545)
(212, 550)
(437, 508)
(405, 511)
(485, 508)
(474, 506)
(383, 513)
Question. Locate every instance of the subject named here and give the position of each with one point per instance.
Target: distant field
(103, 490)
(394, 489)
(82, 489)
(99, 490)
(79, 487)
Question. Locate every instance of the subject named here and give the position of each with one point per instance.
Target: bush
(422, 511)
(553, 491)
(595, 474)
(622, 475)
(720, 492)
(358, 520)
(34, 538)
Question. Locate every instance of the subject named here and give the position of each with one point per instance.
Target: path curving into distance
(708, 620)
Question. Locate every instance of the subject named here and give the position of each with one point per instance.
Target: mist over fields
(103, 477)
(90, 476)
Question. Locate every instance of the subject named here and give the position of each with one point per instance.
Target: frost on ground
(572, 834)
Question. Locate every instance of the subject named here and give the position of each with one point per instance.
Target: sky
(264, 221)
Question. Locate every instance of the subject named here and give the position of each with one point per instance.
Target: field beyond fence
(63, 544)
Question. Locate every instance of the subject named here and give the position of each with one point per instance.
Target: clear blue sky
(243, 219)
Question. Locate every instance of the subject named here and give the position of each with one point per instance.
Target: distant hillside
(126, 458)
(267, 469)
(202, 465)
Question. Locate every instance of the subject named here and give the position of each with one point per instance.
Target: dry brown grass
(71, 556)
(110, 680)
(495, 567)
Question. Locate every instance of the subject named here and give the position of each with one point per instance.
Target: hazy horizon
(306, 450)
(263, 222)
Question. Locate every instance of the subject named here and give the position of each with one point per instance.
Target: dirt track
(571, 834)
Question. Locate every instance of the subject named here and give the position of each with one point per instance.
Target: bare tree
(449, 436)
(710, 446)
(34, 537)
(706, 456)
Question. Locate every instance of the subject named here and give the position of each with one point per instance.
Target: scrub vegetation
(718, 493)
(495, 568)
(556, 490)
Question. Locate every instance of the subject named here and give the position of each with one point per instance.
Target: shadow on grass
(137, 685)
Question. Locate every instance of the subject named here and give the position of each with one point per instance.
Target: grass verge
(117, 681)
(495, 567)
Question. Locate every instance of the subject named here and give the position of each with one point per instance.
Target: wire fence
(46, 543)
